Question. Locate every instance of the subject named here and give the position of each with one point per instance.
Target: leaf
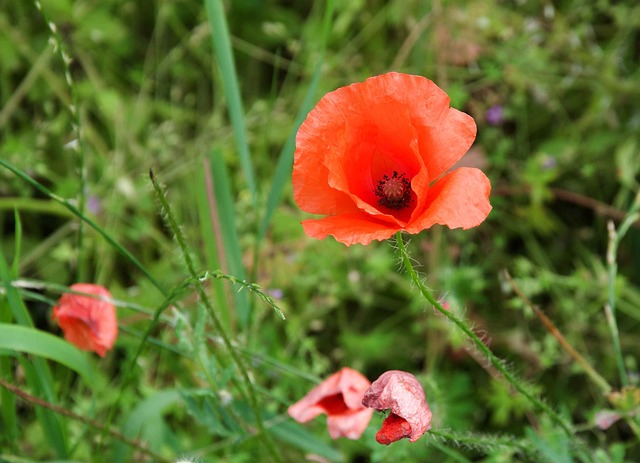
(32, 341)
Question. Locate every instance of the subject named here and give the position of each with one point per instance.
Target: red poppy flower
(374, 158)
(401, 393)
(340, 398)
(88, 323)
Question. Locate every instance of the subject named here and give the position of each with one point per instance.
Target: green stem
(480, 442)
(497, 363)
(612, 266)
(78, 146)
(204, 298)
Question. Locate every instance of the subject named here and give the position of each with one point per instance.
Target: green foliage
(210, 95)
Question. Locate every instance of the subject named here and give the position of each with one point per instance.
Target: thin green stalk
(222, 46)
(204, 298)
(282, 173)
(78, 146)
(612, 270)
(497, 363)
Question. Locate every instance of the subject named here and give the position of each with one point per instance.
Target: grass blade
(226, 218)
(226, 63)
(76, 212)
(285, 160)
(28, 340)
(37, 372)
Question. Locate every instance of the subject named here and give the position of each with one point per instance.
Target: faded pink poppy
(340, 398)
(401, 393)
(88, 323)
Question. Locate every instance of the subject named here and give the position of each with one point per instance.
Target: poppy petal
(340, 398)
(445, 144)
(88, 323)
(350, 426)
(311, 189)
(393, 429)
(401, 393)
(460, 199)
(350, 228)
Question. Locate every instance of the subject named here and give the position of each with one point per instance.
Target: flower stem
(237, 359)
(78, 144)
(615, 237)
(497, 363)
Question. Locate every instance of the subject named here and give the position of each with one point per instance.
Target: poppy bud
(401, 393)
(88, 323)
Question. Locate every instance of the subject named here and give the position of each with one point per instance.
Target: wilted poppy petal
(460, 199)
(349, 425)
(340, 398)
(401, 393)
(88, 323)
(393, 429)
(368, 154)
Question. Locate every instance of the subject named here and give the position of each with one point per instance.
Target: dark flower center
(394, 192)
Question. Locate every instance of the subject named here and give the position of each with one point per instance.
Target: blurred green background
(554, 87)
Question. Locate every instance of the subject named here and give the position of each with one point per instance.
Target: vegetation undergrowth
(147, 147)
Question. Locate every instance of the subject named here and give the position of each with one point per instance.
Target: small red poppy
(340, 398)
(401, 393)
(374, 158)
(88, 323)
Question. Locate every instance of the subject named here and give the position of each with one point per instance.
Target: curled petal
(87, 322)
(445, 144)
(460, 199)
(340, 398)
(401, 393)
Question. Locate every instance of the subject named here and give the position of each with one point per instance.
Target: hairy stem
(493, 359)
(204, 298)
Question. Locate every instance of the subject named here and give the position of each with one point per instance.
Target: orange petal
(379, 113)
(350, 228)
(88, 323)
(460, 199)
(445, 144)
(311, 189)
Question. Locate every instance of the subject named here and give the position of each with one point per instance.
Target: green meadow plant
(256, 192)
